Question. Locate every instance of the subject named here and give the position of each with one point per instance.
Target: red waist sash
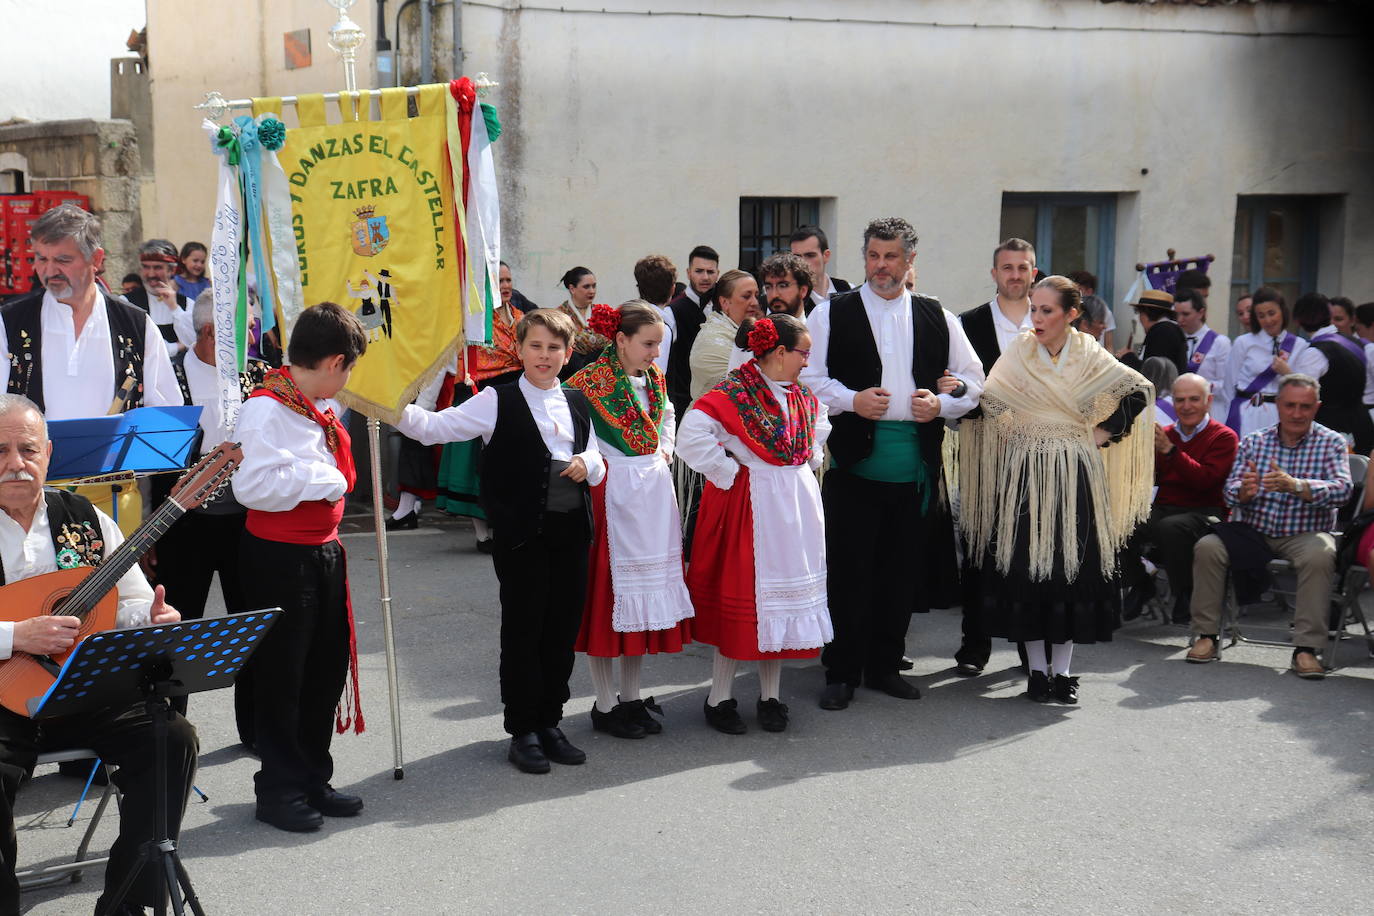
(311, 523)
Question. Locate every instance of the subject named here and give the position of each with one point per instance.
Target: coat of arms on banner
(370, 233)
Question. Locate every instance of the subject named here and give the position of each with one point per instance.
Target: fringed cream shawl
(1033, 441)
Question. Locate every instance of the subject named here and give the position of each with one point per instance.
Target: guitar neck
(108, 574)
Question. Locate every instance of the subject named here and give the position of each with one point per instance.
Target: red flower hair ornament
(763, 336)
(604, 320)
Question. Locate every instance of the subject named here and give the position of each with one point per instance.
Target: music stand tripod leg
(161, 853)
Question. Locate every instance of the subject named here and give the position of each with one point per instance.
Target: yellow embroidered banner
(373, 214)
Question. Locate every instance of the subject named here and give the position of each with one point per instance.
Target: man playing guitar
(42, 531)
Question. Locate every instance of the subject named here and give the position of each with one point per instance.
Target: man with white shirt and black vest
(42, 531)
(74, 350)
(1339, 363)
(891, 367)
(159, 297)
(1208, 350)
(689, 314)
(205, 541)
(810, 244)
(991, 327)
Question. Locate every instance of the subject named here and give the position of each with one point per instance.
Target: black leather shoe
(124, 909)
(1038, 690)
(527, 754)
(894, 685)
(485, 545)
(408, 522)
(724, 717)
(559, 749)
(906, 664)
(772, 715)
(640, 714)
(1065, 688)
(836, 696)
(334, 804)
(968, 669)
(619, 722)
(295, 816)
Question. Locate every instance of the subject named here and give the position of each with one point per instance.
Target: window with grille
(766, 223)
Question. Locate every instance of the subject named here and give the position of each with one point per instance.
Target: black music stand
(156, 663)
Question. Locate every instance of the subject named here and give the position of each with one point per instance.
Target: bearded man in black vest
(891, 367)
(74, 350)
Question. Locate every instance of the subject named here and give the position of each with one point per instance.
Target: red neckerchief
(280, 386)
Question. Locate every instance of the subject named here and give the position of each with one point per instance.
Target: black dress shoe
(124, 909)
(295, 815)
(619, 722)
(1065, 688)
(408, 522)
(836, 696)
(968, 669)
(894, 685)
(331, 803)
(527, 754)
(640, 714)
(772, 716)
(1038, 690)
(906, 664)
(559, 749)
(725, 717)
(485, 545)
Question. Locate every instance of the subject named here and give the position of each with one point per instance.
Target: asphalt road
(1226, 788)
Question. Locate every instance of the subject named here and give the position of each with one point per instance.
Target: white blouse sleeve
(473, 418)
(667, 431)
(822, 433)
(274, 477)
(699, 444)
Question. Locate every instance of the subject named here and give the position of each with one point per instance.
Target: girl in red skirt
(757, 576)
(637, 602)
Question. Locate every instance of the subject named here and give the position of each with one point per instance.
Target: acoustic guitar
(88, 592)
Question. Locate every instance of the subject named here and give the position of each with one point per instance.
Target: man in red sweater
(1192, 459)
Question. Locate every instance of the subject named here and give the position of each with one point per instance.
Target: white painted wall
(57, 56)
(628, 133)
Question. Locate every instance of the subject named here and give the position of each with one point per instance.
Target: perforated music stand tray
(117, 665)
(141, 441)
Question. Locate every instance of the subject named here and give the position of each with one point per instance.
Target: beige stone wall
(241, 60)
(97, 158)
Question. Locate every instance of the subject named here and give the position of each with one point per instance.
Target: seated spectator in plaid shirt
(1287, 483)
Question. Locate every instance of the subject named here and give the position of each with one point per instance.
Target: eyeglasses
(806, 354)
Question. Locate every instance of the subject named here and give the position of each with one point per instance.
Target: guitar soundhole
(56, 601)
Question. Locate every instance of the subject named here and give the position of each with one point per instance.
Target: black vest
(852, 359)
(982, 333)
(77, 538)
(24, 329)
(1343, 383)
(139, 298)
(516, 465)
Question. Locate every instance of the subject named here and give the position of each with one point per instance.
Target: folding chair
(31, 878)
(1283, 581)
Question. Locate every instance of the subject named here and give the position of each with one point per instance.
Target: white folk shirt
(203, 380)
(180, 320)
(78, 372)
(31, 553)
(890, 321)
(1213, 367)
(285, 459)
(477, 417)
(1006, 329)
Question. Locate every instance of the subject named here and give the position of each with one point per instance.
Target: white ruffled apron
(789, 558)
(644, 535)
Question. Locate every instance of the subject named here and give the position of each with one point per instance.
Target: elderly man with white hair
(41, 531)
(1192, 458)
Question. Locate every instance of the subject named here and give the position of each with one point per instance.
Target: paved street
(1226, 788)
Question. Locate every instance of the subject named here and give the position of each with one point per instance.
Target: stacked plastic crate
(17, 215)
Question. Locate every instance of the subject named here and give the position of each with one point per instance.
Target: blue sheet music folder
(143, 440)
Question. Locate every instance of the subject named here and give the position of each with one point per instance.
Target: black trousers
(543, 585)
(1174, 532)
(299, 670)
(874, 538)
(193, 550)
(121, 736)
(976, 646)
